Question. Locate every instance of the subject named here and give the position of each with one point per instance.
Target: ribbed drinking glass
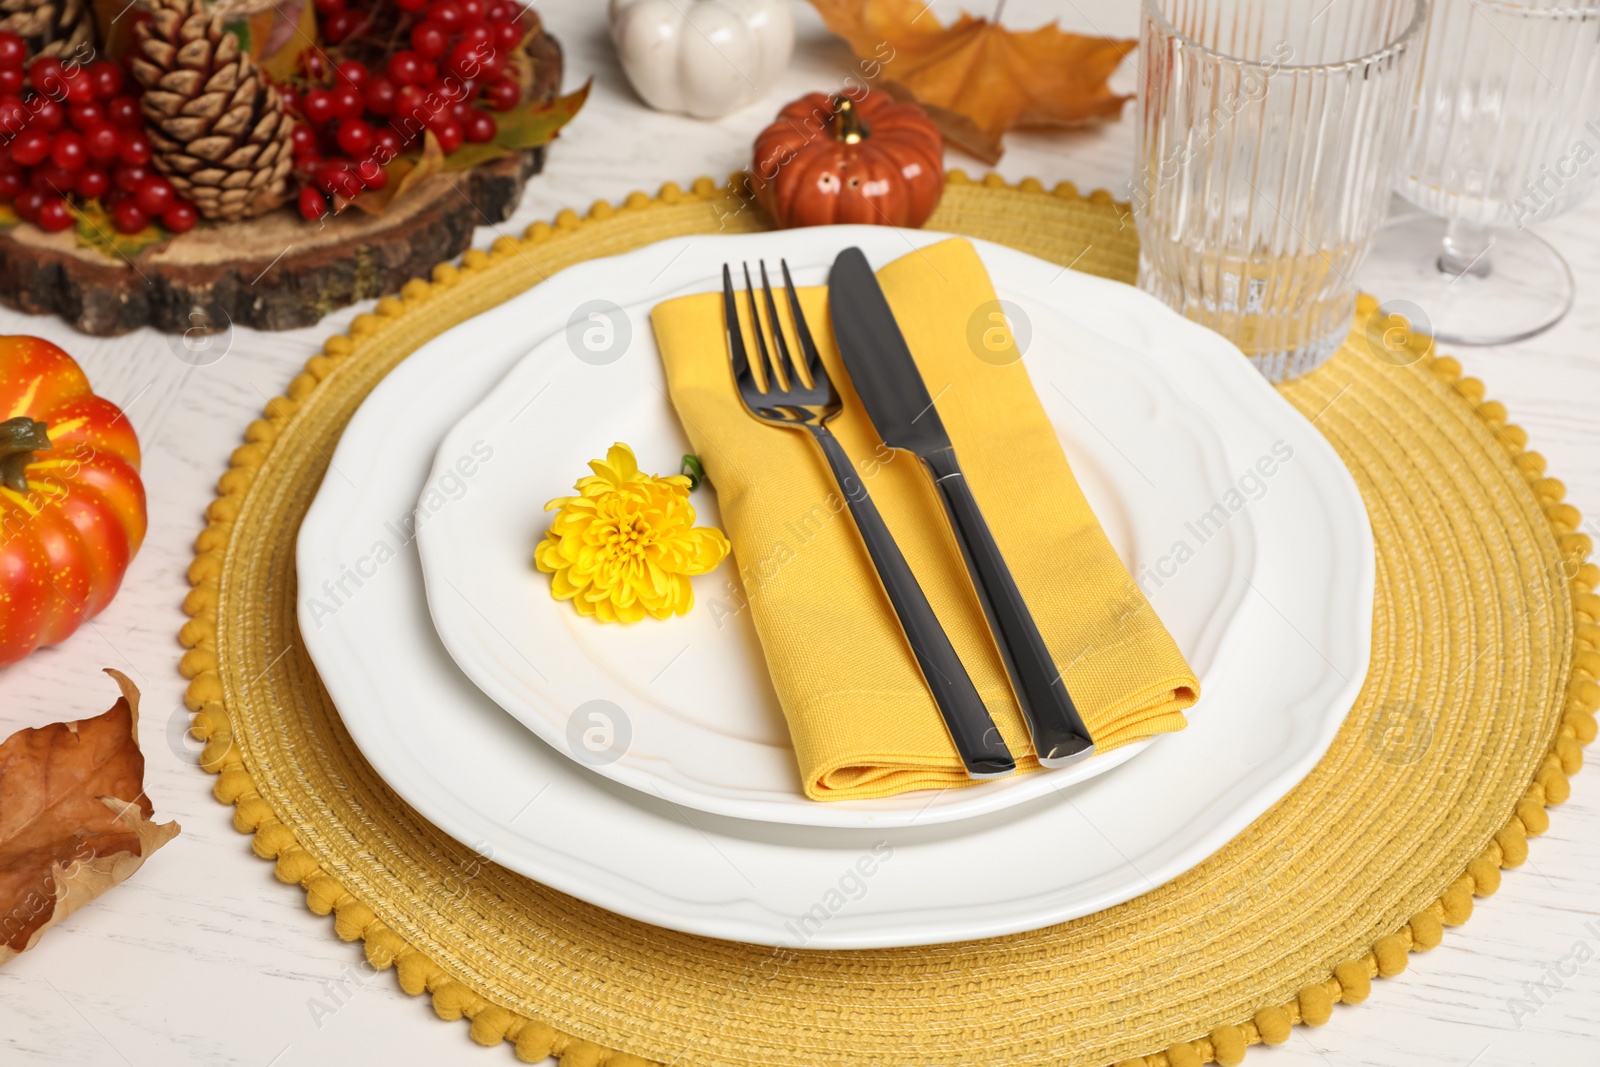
(1505, 134)
(1269, 135)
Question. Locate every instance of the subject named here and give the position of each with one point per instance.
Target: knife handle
(1060, 737)
(976, 738)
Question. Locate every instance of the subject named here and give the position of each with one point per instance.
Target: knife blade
(892, 390)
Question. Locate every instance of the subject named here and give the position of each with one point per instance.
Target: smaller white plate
(684, 709)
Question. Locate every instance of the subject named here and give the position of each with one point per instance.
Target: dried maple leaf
(403, 174)
(976, 78)
(66, 834)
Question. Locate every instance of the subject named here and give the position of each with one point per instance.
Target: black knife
(891, 388)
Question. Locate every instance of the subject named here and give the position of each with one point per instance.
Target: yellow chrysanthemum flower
(627, 545)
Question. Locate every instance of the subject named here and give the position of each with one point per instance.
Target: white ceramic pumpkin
(705, 58)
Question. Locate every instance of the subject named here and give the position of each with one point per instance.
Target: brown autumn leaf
(66, 833)
(528, 125)
(976, 78)
(404, 173)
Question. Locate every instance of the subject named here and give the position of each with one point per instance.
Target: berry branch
(371, 106)
(74, 133)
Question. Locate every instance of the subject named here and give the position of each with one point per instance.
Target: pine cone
(50, 27)
(216, 125)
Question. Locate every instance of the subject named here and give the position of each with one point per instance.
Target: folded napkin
(862, 722)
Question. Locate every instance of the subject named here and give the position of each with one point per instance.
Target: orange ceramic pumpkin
(72, 509)
(831, 159)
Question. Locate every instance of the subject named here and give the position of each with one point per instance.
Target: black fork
(796, 393)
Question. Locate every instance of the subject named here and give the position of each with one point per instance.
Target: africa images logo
(1247, 488)
(447, 487)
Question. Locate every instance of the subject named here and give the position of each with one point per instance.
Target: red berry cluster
(360, 118)
(68, 130)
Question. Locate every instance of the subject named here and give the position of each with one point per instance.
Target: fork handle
(976, 738)
(1060, 737)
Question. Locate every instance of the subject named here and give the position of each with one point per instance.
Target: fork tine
(782, 346)
(763, 379)
(813, 361)
(730, 315)
(771, 373)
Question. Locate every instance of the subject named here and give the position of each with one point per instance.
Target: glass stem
(1466, 249)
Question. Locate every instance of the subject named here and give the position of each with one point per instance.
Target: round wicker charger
(1482, 689)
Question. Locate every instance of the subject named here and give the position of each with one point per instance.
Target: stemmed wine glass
(1505, 133)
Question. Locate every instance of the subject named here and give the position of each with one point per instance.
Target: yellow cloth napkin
(861, 719)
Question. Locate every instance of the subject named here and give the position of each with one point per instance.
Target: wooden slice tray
(276, 272)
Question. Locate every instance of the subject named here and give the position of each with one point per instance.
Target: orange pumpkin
(72, 507)
(834, 159)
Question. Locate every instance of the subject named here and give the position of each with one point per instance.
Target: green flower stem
(693, 470)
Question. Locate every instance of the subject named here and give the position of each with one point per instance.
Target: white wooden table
(204, 958)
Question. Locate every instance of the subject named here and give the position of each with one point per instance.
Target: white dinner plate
(684, 709)
(1270, 708)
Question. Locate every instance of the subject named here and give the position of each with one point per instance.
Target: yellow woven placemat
(1482, 689)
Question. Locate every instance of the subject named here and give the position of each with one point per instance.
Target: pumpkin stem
(20, 438)
(847, 125)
